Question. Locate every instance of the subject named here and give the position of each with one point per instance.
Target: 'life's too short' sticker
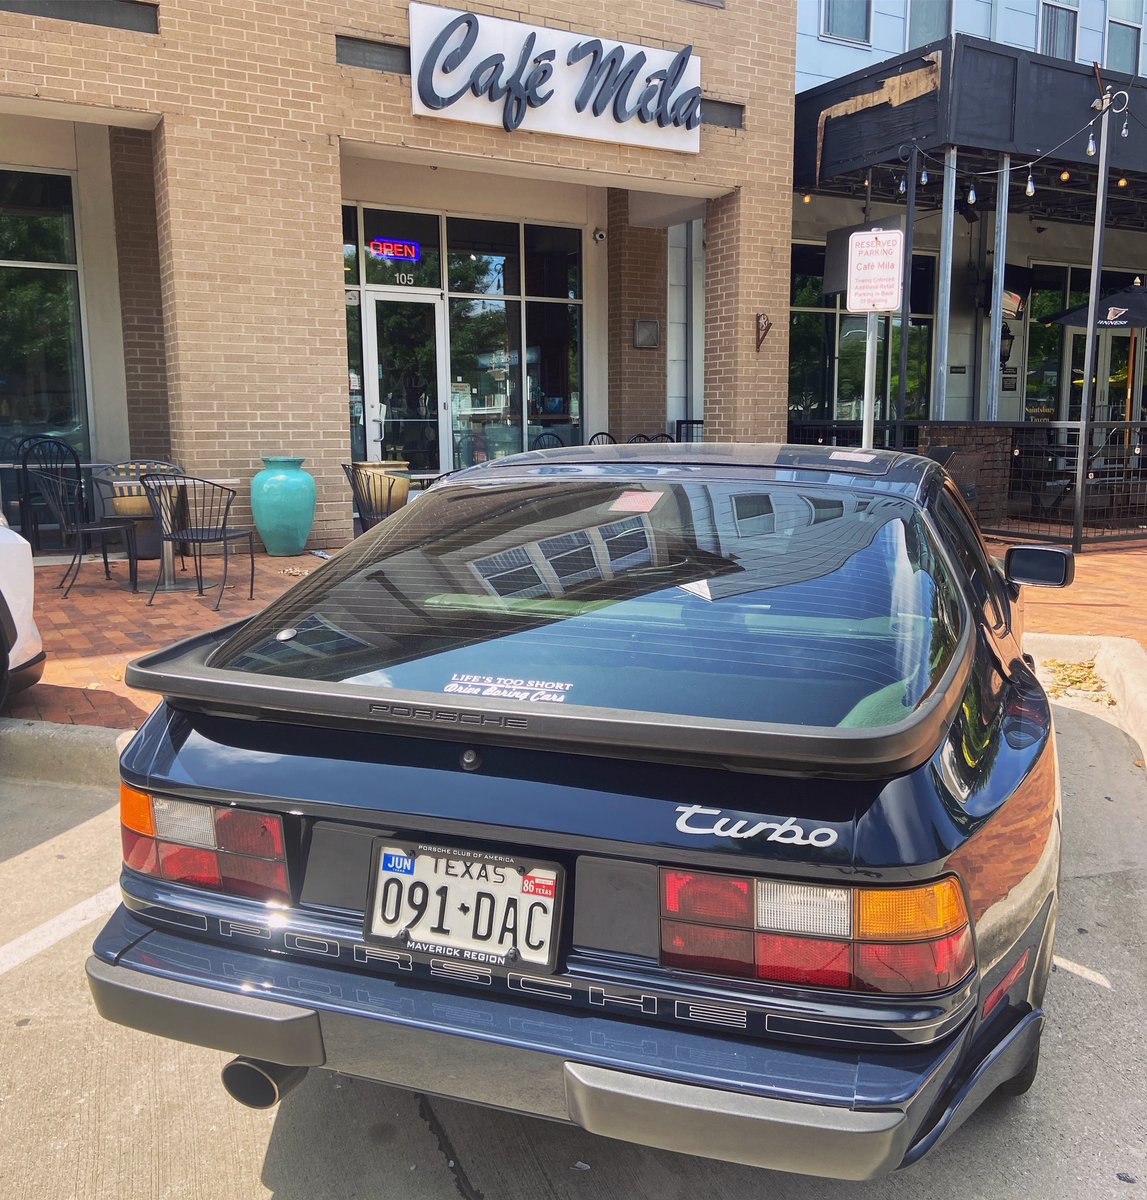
(533, 691)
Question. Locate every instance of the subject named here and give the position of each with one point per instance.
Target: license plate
(467, 905)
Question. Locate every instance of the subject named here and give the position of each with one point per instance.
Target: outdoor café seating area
(141, 509)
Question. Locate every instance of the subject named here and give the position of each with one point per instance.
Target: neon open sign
(407, 252)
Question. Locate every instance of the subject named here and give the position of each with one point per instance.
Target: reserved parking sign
(875, 270)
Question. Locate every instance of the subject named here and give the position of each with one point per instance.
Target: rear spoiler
(182, 675)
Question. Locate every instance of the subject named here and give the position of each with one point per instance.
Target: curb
(1120, 662)
(82, 755)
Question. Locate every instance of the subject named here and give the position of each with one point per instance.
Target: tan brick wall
(252, 111)
(638, 290)
(141, 297)
(983, 463)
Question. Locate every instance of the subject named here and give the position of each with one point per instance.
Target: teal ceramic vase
(283, 505)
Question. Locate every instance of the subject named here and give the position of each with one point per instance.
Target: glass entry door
(1119, 386)
(408, 415)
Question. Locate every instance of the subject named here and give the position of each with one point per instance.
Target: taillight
(908, 940)
(231, 850)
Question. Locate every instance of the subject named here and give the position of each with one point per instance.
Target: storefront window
(919, 366)
(1045, 343)
(511, 321)
(810, 366)
(553, 262)
(482, 257)
(553, 373)
(354, 376)
(350, 245)
(485, 373)
(827, 347)
(41, 352)
(402, 249)
(36, 218)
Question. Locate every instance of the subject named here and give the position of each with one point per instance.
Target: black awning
(965, 92)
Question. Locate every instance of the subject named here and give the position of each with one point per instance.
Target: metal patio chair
(603, 439)
(374, 493)
(662, 437)
(64, 499)
(546, 441)
(639, 437)
(47, 456)
(194, 513)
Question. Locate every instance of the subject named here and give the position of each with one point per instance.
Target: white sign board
(875, 271)
(487, 71)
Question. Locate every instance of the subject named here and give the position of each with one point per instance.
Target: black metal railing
(1021, 479)
(689, 431)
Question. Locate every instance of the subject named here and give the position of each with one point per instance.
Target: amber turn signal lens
(910, 914)
(135, 811)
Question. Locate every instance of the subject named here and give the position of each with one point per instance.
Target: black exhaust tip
(260, 1084)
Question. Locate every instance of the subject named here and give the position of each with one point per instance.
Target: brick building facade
(218, 155)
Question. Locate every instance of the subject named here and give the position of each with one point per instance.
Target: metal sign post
(875, 285)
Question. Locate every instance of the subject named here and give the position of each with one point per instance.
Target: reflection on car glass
(762, 600)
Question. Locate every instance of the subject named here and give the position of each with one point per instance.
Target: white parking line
(1065, 964)
(58, 928)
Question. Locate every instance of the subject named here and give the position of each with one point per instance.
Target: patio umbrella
(1124, 309)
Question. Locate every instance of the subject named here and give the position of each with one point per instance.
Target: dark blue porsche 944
(700, 796)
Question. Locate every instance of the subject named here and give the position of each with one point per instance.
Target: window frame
(366, 290)
(912, 42)
(1069, 8)
(951, 516)
(77, 269)
(834, 308)
(1138, 43)
(827, 35)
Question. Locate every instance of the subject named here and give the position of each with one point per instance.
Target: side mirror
(1039, 566)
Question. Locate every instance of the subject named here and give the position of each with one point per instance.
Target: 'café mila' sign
(493, 72)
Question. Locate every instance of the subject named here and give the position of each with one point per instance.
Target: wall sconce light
(646, 335)
(1007, 341)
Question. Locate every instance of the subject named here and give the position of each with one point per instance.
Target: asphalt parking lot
(94, 1111)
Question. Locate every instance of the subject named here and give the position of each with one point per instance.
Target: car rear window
(743, 599)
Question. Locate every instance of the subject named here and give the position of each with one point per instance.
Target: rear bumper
(738, 1101)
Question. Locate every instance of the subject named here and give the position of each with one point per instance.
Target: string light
(972, 193)
(1122, 183)
(1123, 131)
(1091, 147)
(1030, 189)
(903, 185)
(923, 176)
(1065, 176)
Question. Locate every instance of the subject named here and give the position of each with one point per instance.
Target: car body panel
(611, 1038)
(17, 597)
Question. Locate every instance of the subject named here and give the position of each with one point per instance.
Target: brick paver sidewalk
(91, 636)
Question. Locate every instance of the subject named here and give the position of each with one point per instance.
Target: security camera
(599, 235)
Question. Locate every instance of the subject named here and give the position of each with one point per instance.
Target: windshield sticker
(636, 502)
(852, 456)
(532, 691)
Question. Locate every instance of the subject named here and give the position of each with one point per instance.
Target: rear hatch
(735, 620)
(600, 739)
